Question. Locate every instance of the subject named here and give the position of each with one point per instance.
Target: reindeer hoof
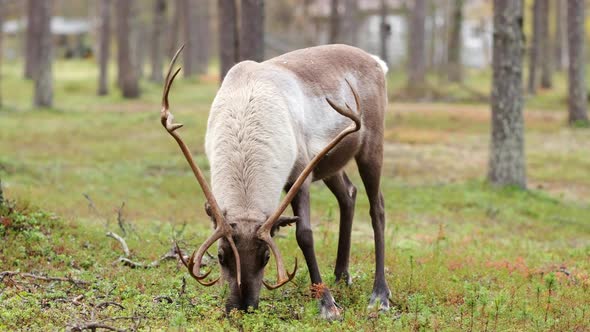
(329, 310)
(380, 299)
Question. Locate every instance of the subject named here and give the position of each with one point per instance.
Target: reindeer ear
(282, 222)
(210, 214)
(208, 209)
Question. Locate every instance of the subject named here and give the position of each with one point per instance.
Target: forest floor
(460, 254)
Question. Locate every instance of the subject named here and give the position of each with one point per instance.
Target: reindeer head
(245, 245)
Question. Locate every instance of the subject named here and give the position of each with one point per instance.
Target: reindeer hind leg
(345, 193)
(370, 162)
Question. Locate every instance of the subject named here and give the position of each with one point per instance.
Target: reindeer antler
(223, 229)
(264, 231)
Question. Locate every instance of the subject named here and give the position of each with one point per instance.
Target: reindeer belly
(337, 158)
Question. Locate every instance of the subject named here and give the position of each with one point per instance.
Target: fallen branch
(171, 254)
(77, 299)
(121, 241)
(132, 264)
(69, 279)
(93, 326)
(163, 298)
(120, 219)
(107, 304)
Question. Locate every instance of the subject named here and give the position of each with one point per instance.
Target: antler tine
(168, 81)
(222, 228)
(190, 266)
(167, 121)
(264, 231)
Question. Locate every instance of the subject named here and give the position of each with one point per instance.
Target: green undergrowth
(460, 254)
(464, 256)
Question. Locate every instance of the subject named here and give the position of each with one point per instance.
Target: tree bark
(252, 30)
(416, 55)
(33, 30)
(577, 99)
(141, 47)
(104, 48)
(545, 46)
(535, 49)
(349, 23)
(560, 36)
(334, 22)
(455, 67)
(384, 31)
(158, 29)
(43, 72)
(203, 32)
(128, 79)
(190, 10)
(507, 160)
(175, 28)
(228, 36)
(431, 15)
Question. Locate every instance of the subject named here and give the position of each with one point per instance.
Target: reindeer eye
(266, 257)
(221, 257)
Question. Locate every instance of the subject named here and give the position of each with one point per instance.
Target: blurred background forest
(487, 98)
(437, 50)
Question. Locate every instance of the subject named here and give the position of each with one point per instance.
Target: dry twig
(93, 326)
(92, 207)
(107, 304)
(163, 298)
(69, 279)
(171, 254)
(121, 241)
(120, 219)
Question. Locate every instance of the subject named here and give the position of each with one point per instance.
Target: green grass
(460, 254)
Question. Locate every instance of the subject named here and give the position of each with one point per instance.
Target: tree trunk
(252, 30)
(43, 74)
(307, 24)
(190, 18)
(455, 67)
(446, 11)
(140, 48)
(560, 36)
(577, 99)
(349, 23)
(535, 49)
(33, 30)
(545, 46)
(104, 48)
(128, 80)
(158, 29)
(203, 32)
(431, 14)
(416, 55)
(334, 22)
(175, 28)
(228, 36)
(507, 161)
(384, 31)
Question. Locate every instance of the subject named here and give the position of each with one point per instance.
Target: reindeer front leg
(301, 208)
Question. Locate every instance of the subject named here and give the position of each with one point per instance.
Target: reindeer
(271, 125)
